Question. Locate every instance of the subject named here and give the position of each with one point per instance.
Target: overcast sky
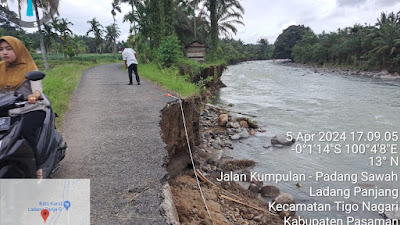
(262, 18)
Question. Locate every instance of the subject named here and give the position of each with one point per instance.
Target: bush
(170, 51)
(191, 67)
(70, 52)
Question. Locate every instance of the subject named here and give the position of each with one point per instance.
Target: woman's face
(7, 53)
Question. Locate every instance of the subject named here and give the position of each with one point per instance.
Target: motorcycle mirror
(35, 75)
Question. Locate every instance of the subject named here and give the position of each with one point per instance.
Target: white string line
(191, 158)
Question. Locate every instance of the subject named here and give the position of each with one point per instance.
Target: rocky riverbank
(384, 74)
(229, 202)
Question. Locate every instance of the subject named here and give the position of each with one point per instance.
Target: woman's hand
(32, 98)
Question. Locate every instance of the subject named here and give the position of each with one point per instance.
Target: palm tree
(223, 14)
(386, 19)
(189, 28)
(229, 13)
(115, 8)
(62, 28)
(194, 4)
(48, 35)
(46, 5)
(387, 43)
(95, 29)
(133, 16)
(212, 7)
(112, 34)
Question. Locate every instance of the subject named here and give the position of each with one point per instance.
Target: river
(289, 99)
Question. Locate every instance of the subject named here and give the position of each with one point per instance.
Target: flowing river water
(299, 100)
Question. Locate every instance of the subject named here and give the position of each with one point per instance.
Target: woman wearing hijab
(16, 63)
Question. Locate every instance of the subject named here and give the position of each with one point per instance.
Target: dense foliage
(360, 46)
(159, 32)
(170, 51)
(287, 39)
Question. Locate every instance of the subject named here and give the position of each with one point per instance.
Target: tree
(62, 28)
(223, 14)
(47, 6)
(387, 43)
(49, 35)
(190, 28)
(287, 39)
(193, 4)
(212, 7)
(95, 28)
(170, 51)
(112, 34)
(115, 8)
(263, 42)
(228, 14)
(133, 15)
(78, 44)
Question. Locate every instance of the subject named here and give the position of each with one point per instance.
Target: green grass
(80, 57)
(169, 79)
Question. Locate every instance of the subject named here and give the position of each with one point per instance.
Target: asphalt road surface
(113, 136)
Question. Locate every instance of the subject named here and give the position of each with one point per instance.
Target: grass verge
(169, 79)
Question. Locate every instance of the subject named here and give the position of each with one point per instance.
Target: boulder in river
(269, 191)
(243, 134)
(223, 119)
(235, 125)
(282, 139)
(249, 121)
(285, 198)
(254, 188)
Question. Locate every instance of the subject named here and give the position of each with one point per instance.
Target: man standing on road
(130, 58)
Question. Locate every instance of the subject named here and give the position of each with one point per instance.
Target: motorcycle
(17, 158)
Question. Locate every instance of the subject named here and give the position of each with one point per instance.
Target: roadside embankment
(228, 202)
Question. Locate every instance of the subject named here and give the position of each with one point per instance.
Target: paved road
(113, 135)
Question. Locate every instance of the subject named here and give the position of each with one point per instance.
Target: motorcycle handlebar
(26, 102)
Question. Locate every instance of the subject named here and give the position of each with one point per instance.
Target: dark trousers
(133, 67)
(31, 124)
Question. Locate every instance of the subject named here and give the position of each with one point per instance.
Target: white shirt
(129, 55)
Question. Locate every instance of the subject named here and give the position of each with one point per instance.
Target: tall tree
(223, 14)
(228, 14)
(214, 24)
(287, 39)
(62, 28)
(49, 35)
(115, 8)
(95, 28)
(190, 28)
(194, 5)
(46, 6)
(263, 42)
(112, 33)
(387, 43)
(132, 16)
